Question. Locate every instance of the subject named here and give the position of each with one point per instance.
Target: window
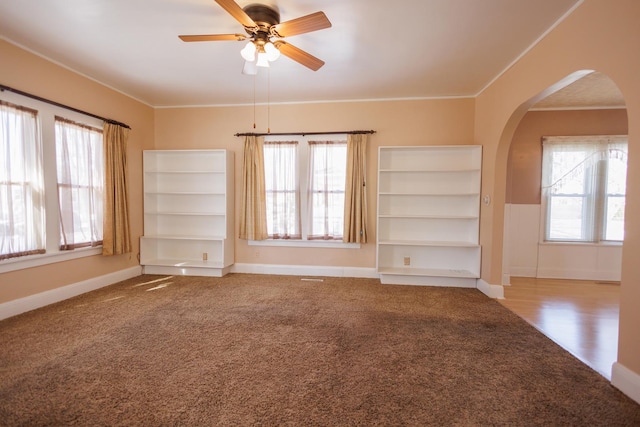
(21, 183)
(327, 175)
(584, 184)
(282, 190)
(51, 180)
(79, 162)
(305, 185)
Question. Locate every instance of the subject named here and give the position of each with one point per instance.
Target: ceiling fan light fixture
(249, 52)
(263, 60)
(271, 51)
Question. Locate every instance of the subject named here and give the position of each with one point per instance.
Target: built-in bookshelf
(428, 215)
(188, 212)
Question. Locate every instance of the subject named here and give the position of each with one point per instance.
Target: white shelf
(428, 215)
(184, 237)
(435, 272)
(181, 263)
(433, 243)
(188, 212)
(451, 217)
(432, 170)
(185, 193)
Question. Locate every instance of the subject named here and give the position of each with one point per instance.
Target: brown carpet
(277, 350)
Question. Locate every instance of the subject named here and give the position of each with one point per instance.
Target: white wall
(527, 256)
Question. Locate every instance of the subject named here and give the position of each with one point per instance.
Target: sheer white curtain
(80, 169)
(282, 189)
(326, 185)
(575, 171)
(21, 183)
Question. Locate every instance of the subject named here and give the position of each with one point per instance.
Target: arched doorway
(568, 290)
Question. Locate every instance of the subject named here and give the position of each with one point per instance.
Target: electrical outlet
(407, 260)
(205, 256)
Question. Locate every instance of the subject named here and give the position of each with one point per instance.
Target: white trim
(625, 380)
(322, 101)
(523, 271)
(305, 270)
(492, 291)
(575, 108)
(30, 261)
(305, 243)
(21, 305)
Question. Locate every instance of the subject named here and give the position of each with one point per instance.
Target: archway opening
(568, 287)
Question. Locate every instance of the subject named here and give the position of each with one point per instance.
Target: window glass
(584, 184)
(305, 186)
(79, 161)
(21, 183)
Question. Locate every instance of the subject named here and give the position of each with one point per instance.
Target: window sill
(560, 243)
(13, 264)
(305, 243)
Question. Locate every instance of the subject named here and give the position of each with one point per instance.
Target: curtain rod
(352, 132)
(57, 104)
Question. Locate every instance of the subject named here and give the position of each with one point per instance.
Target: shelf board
(185, 213)
(434, 272)
(431, 170)
(430, 243)
(183, 237)
(427, 216)
(184, 193)
(388, 193)
(183, 263)
(185, 172)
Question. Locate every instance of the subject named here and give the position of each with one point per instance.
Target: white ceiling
(375, 49)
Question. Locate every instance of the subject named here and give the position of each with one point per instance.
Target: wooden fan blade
(305, 24)
(213, 37)
(299, 55)
(236, 11)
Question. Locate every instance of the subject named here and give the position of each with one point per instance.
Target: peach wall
(30, 73)
(426, 122)
(524, 168)
(598, 35)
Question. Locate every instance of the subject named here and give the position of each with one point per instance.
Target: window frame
(46, 128)
(596, 202)
(303, 176)
(93, 186)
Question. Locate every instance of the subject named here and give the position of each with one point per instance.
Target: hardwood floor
(581, 316)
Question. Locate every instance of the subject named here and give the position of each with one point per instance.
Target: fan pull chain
(268, 100)
(254, 101)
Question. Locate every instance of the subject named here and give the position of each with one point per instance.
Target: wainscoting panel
(523, 230)
(526, 256)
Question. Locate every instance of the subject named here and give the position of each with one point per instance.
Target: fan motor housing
(262, 15)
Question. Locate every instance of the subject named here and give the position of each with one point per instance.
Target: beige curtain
(355, 199)
(116, 235)
(253, 209)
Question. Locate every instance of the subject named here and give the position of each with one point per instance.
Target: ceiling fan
(264, 32)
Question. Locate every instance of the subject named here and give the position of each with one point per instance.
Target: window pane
(615, 192)
(282, 190)
(565, 220)
(79, 162)
(21, 183)
(327, 174)
(614, 224)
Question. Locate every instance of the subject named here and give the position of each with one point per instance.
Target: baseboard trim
(305, 270)
(549, 273)
(523, 271)
(625, 380)
(21, 305)
(492, 291)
